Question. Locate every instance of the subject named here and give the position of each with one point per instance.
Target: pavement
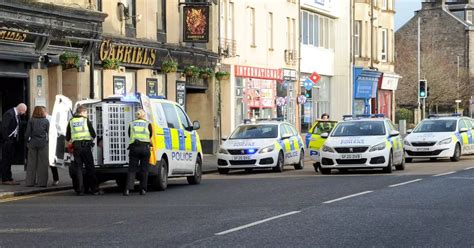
(19, 174)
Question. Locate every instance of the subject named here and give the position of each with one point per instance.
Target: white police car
(440, 137)
(362, 142)
(264, 144)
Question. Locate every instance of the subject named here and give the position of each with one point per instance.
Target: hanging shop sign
(256, 72)
(127, 54)
(181, 93)
(12, 35)
(196, 24)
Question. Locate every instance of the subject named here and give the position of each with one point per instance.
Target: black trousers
(83, 160)
(8, 155)
(54, 170)
(139, 157)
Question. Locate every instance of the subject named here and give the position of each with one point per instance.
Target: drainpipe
(91, 75)
(371, 34)
(298, 79)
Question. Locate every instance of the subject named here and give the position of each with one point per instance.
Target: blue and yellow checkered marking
(168, 143)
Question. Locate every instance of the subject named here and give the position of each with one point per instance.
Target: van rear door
(62, 112)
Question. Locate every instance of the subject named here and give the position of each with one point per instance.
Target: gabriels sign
(127, 54)
(196, 24)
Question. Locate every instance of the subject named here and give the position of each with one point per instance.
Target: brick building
(447, 54)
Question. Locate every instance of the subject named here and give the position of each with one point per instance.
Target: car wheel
(223, 171)
(317, 167)
(161, 180)
(408, 160)
(280, 163)
(196, 178)
(388, 169)
(401, 166)
(300, 164)
(325, 171)
(457, 153)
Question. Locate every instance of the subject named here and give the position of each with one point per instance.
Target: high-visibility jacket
(139, 131)
(79, 129)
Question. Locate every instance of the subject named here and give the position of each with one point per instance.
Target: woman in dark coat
(37, 142)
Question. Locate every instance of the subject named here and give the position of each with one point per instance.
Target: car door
(188, 140)
(288, 143)
(396, 142)
(466, 137)
(297, 141)
(60, 116)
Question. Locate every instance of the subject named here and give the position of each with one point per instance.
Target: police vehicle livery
(176, 147)
(314, 141)
(362, 142)
(263, 144)
(440, 137)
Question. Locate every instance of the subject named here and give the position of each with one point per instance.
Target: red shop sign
(261, 73)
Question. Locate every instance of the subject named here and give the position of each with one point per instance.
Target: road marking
(349, 196)
(444, 174)
(400, 184)
(256, 223)
(465, 178)
(24, 230)
(468, 168)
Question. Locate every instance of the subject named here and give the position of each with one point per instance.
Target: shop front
(386, 95)
(365, 91)
(317, 101)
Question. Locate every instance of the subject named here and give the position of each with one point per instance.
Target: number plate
(241, 158)
(351, 156)
(423, 149)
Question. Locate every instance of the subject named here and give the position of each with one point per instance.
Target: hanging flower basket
(110, 64)
(206, 73)
(222, 75)
(169, 66)
(69, 60)
(192, 71)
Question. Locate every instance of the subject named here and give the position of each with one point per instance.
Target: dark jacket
(89, 125)
(9, 124)
(37, 132)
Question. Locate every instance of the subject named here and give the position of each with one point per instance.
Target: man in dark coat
(10, 136)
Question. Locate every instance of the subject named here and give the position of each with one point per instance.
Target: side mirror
(224, 138)
(410, 131)
(324, 135)
(394, 133)
(196, 125)
(286, 136)
(463, 130)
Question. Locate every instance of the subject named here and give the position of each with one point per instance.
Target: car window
(171, 116)
(359, 128)
(324, 127)
(295, 132)
(462, 124)
(255, 132)
(389, 128)
(160, 118)
(468, 124)
(428, 126)
(183, 118)
(285, 131)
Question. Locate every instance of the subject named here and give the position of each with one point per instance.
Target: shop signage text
(11, 35)
(255, 72)
(127, 54)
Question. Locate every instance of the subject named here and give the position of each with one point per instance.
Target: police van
(440, 136)
(176, 147)
(261, 144)
(362, 142)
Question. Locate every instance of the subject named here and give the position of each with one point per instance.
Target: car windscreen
(434, 126)
(255, 132)
(324, 127)
(359, 128)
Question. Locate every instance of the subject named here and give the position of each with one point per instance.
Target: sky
(405, 11)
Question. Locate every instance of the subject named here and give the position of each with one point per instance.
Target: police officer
(140, 132)
(81, 133)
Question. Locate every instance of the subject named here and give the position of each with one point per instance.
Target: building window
(317, 30)
(161, 16)
(331, 33)
(131, 20)
(469, 16)
(96, 4)
(270, 31)
(383, 45)
(288, 33)
(374, 3)
(293, 34)
(252, 27)
(357, 38)
(311, 29)
(385, 4)
(305, 28)
(230, 21)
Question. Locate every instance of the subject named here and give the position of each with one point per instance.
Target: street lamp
(457, 105)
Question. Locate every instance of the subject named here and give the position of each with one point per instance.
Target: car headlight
(446, 141)
(223, 151)
(267, 149)
(327, 149)
(378, 147)
(405, 142)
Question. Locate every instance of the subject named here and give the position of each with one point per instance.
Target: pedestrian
(37, 142)
(325, 116)
(54, 169)
(140, 132)
(81, 133)
(10, 137)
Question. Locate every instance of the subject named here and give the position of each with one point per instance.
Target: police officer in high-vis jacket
(81, 133)
(140, 133)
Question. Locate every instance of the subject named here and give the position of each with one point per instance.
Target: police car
(314, 141)
(176, 147)
(440, 137)
(262, 144)
(362, 142)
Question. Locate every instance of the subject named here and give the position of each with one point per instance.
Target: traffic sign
(280, 101)
(315, 77)
(301, 99)
(308, 84)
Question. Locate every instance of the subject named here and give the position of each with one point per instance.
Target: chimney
(428, 4)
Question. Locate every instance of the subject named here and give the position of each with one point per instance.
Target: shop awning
(389, 81)
(366, 84)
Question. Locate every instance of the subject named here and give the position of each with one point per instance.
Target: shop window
(240, 108)
(171, 116)
(97, 84)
